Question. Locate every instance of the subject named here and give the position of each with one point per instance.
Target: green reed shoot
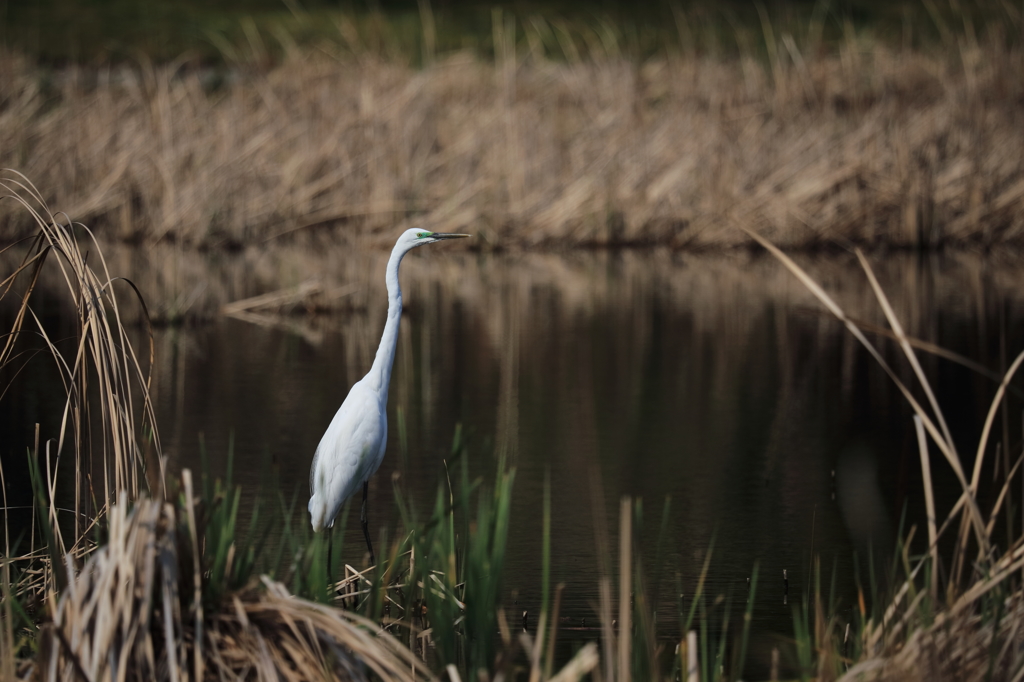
(42, 504)
(457, 576)
(645, 643)
(803, 638)
(545, 551)
(741, 659)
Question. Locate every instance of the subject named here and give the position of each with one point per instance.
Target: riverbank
(858, 142)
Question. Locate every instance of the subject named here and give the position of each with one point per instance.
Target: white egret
(353, 446)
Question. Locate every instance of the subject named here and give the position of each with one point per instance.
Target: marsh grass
(263, 32)
(560, 137)
(968, 628)
(106, 431)
(174, 592)
(130, 611)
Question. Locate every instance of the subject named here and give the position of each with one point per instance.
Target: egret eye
(423, 235)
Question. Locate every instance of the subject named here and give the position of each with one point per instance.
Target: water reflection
(713, 381)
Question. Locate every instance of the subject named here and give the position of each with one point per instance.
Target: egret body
(352, 448)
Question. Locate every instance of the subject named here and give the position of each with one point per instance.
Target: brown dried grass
(862, 142)
(106, 429)
(962, 644)
(122, 617)
(972, 629)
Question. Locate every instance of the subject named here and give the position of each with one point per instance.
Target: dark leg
(366, 527)
(330, 554)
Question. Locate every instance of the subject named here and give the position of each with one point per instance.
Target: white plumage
(352, 448)
(349, 453)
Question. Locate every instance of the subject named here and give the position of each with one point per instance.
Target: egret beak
(440, 235)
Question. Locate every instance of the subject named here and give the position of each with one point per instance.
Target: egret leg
(366, 527)
(330, 554)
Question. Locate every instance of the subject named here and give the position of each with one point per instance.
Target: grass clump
(455, 573)
(104, 437)
(130, 611)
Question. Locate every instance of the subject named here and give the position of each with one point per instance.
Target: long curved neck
(379, 375)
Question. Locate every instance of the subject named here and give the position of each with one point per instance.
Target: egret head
(410, 239)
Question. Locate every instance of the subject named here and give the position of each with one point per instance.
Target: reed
(131, 611)
(862, 140)
(175, 593)
(971, 628)
(105, 431)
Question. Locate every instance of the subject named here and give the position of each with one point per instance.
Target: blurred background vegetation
(101, 31)
(231, 124)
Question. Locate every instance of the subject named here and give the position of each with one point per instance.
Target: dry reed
(106, 430)
(857, 142)
(122, 617)
(972, 630)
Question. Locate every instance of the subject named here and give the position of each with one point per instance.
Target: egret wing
(347, 455)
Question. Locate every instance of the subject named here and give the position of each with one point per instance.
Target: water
(714, 382)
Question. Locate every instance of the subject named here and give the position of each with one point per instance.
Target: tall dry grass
(861, 141)
(105, 439)
(957, 610)
(123, 616)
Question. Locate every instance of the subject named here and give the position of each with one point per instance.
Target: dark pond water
(714, 382)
